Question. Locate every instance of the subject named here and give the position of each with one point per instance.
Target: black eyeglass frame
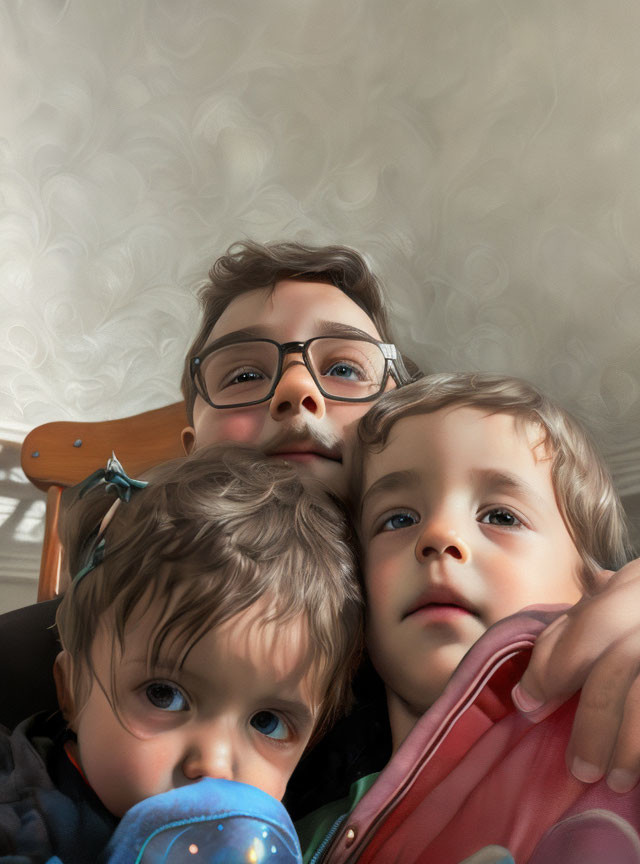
(388, 349)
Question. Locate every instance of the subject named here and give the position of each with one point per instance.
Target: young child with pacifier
(210, 631)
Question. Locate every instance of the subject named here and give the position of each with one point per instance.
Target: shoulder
(46, 808)
(23, 758)
(23, 779)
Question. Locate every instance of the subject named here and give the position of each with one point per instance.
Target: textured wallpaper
(485, 156)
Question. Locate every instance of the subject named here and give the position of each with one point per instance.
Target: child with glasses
(294, 345)
(476, 496)
(210, 631)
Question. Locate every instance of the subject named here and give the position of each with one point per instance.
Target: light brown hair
(585, 493)
(213, 533)
(251, 266)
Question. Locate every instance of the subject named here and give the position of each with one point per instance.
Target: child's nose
(210, 754)
(296, 391)
(439, 538)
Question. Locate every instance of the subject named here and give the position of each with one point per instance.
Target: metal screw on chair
(77, 442)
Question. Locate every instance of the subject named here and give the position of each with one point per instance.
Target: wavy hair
(586, 496)
(209, 536)
(253, 266)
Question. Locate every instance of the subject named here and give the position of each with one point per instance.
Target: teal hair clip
(115, 479)
(97, 556)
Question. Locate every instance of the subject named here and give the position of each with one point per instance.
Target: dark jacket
(28, 647)
(46, 808)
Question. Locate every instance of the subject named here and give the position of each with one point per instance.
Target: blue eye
(269, 724)
(166, 697)
(501, 516)
(399, 520)
(344, 370)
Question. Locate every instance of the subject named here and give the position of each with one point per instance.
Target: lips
(302, 449)
(440, 596)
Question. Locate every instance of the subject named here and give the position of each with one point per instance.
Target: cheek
(121, 768)
(273, 782)
(344, 418)
(242, 427)
(532, 579)
(268, 770)
(381, 587)
(128, 772)
(514, 583)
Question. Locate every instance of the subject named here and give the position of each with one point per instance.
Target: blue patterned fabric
(209, 822)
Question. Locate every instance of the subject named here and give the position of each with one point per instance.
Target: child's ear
(63, 677)
(188, 439)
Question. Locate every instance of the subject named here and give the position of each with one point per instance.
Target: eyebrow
(389, 483)
(496, 481)
(303, 715)
(335, 328)
(505, 481)
(266, 331)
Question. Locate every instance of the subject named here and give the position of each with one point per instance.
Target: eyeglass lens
(245, 371)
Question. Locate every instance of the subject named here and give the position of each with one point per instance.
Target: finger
(565, 652)
(535, 688)
(600, 711)
(624, 768)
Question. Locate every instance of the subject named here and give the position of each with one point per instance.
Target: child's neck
(402, 718)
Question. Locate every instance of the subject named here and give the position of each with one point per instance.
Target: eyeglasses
(247, 372)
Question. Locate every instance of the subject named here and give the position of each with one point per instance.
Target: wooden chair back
(58, 455)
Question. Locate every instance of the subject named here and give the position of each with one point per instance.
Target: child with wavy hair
(476, 497)
(210, 630)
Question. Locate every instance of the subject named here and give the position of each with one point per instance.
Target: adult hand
(594, 646)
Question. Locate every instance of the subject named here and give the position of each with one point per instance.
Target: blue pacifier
(209, 822)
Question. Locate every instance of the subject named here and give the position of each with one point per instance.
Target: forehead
(253, 643)
(257, 633)
(280, 649)
(462, 437)
(293, 311)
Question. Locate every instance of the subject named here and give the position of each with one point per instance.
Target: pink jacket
(474, 772)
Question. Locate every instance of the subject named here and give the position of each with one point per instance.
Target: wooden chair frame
(58, 455)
